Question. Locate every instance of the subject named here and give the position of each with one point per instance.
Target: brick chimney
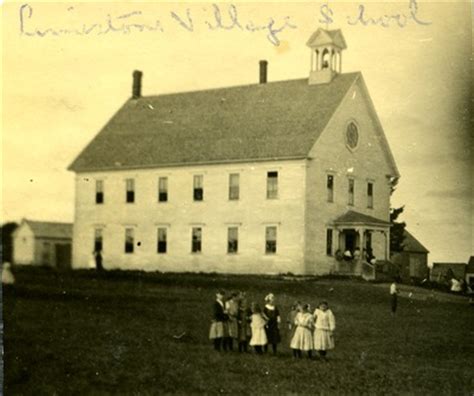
(137, 84)
(263, 71)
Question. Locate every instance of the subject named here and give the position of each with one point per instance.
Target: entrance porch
(361, 241)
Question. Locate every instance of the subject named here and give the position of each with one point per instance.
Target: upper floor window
(162, 240)
(98, 240)
(270, 240)
(234, 179)
(130, 190)
(272, 185)
(330, 188)
(163, 189)
(370, 195)
(129, 240)
(351, 191)
(232, 240)
(99, 191)
(196, 243)
(198, 192)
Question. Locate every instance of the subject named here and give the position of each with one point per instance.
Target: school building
(273, 177)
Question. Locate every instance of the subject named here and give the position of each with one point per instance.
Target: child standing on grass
(257, 324)
(244, 323)
(325, 326)
(272, 315)
(216, 333)
(394, 296)
(232, 310)
(290, 319)
(303, 338)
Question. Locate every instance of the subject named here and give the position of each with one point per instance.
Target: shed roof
(470, 265)
(411, 244)
(277, 120)
(47, 229)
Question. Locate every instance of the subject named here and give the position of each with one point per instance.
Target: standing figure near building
(324, 332)
(257, 324)
(232, 311)
(303, 337)
(98, 260)
(272, 315)
(7, 276)
(394, 296)
(216, 333)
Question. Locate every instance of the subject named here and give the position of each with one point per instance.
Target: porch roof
(353, 218)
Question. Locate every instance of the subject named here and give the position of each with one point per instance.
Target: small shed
(413, 260)
(444, 272)
(42, 243)
(470, 272)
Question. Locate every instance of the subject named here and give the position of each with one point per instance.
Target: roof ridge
(233, 87)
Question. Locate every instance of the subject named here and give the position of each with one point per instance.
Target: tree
(397, 230)
(7, 244)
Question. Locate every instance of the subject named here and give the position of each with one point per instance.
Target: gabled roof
(411, 244)
(355, 218)
(323, 37)
(470, 265)
(277, 120)
(43, 229)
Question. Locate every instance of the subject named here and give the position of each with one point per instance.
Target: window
(99, 191)
(130, 196)
(351, 192)
(270, 240)
(163, 189)
(196, 240)
(232, 240)
(98, 240)
(329, 242)
(162, 240)
(129, 240)
(198, 193)
(370, 195)
(234, 186)
(272, 185)
(330, 188)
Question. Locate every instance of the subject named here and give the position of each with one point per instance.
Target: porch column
(358, 262)
(387, 244)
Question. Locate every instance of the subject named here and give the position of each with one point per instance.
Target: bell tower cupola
(326, 55)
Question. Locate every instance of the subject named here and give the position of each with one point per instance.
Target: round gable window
(352, 135)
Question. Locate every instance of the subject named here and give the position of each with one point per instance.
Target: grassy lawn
(79, 333)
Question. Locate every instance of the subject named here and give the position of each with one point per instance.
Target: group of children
(235, 319)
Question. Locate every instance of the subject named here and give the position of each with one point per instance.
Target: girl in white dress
(303, 338)
(257, 324)
(325, 326)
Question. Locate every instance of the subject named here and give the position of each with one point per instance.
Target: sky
(61, 86)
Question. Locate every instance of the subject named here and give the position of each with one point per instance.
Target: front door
(350, 240)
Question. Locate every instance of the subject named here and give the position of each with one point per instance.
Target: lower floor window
(232, 240)
(196, 240)
(270, 240)
(129, 240)
(98, 240)
(162, 240)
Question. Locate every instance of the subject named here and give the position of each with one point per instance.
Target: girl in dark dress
(272, 315)
(216, 332)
